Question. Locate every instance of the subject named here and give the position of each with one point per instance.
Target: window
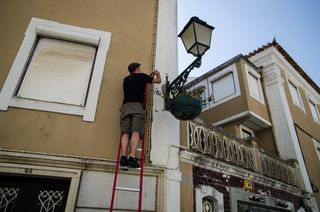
(224, 85)
(58, 68)
(248, 206)
(296, 98)
(59, 71)
(208, 199)
(246, 133)
(208, 204)
(317, 146)
(244, 201)
(19, 193)
(314, 111)
(200, 92)
(254, 84)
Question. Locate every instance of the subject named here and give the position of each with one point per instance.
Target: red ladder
(115, 188)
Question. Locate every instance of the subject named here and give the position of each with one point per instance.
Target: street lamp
(196, 37)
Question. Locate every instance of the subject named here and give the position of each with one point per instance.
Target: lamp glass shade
(188, 38)
(196, 36)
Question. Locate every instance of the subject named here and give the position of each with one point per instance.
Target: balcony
(216, 144)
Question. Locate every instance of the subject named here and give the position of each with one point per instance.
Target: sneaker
(133, 163)
(123, 161)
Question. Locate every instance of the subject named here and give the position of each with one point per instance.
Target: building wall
(253, 105)
(311, 159)
(223, 182)
(227, 109)
(279, 69)
(302, 116)
(281, 137)
(265, 140)
(306, 128)
(53, 145)
(131, 24)
(233, 128)
(245, 102)
(183, 134)
(187, 188)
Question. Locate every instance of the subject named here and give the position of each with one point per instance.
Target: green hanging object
(185, 107)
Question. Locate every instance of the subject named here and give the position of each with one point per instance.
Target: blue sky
(242, 26)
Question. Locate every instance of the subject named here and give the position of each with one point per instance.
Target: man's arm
(156, 77)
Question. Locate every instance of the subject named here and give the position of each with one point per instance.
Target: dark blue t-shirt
(134, 87)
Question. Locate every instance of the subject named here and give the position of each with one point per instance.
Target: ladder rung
(128, 189)
(126, 168)
(139, 149)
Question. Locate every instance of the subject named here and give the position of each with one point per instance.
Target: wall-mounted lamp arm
(177, 84)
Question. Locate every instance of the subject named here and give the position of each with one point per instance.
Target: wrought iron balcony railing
(217, 144)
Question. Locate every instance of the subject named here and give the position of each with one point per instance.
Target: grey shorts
(133, 118)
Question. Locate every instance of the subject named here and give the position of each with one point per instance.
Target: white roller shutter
(59, 71)
(223, 87)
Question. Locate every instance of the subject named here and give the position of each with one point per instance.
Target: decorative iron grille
(8, 197)
(220, 145)
(278, 169)
(49, 200)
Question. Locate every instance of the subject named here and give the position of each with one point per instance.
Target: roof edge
(290, 60)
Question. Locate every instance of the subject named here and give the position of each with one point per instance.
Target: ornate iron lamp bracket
(176, 86)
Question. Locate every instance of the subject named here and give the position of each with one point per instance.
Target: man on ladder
(132, 121)
(133, 115)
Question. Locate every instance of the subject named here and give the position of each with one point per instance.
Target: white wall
(165, 128)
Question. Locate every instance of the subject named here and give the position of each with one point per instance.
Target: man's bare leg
(134, 142)
(124, 143)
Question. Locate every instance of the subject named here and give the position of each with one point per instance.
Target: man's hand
(156, 76)
(155, 73)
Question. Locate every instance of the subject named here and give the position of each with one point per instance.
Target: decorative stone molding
(212, 193)
(211, 148)
(218, 166)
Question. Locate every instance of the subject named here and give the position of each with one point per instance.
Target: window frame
(202, 192)
(257, 76)
(238, 195)
(203, 84)
(312, 104)
(38, 83)
(317, 147)
(40, 27)
(47, 172)
(296, 89)
(242, 127)
(231, 69)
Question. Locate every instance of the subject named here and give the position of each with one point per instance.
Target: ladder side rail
(141, 165)
(141, 175)
(115, 176)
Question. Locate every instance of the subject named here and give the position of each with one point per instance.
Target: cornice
(218, 166)
(281, 57)
(64, 161)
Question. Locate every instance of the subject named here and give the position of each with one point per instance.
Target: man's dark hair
(133, 66)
